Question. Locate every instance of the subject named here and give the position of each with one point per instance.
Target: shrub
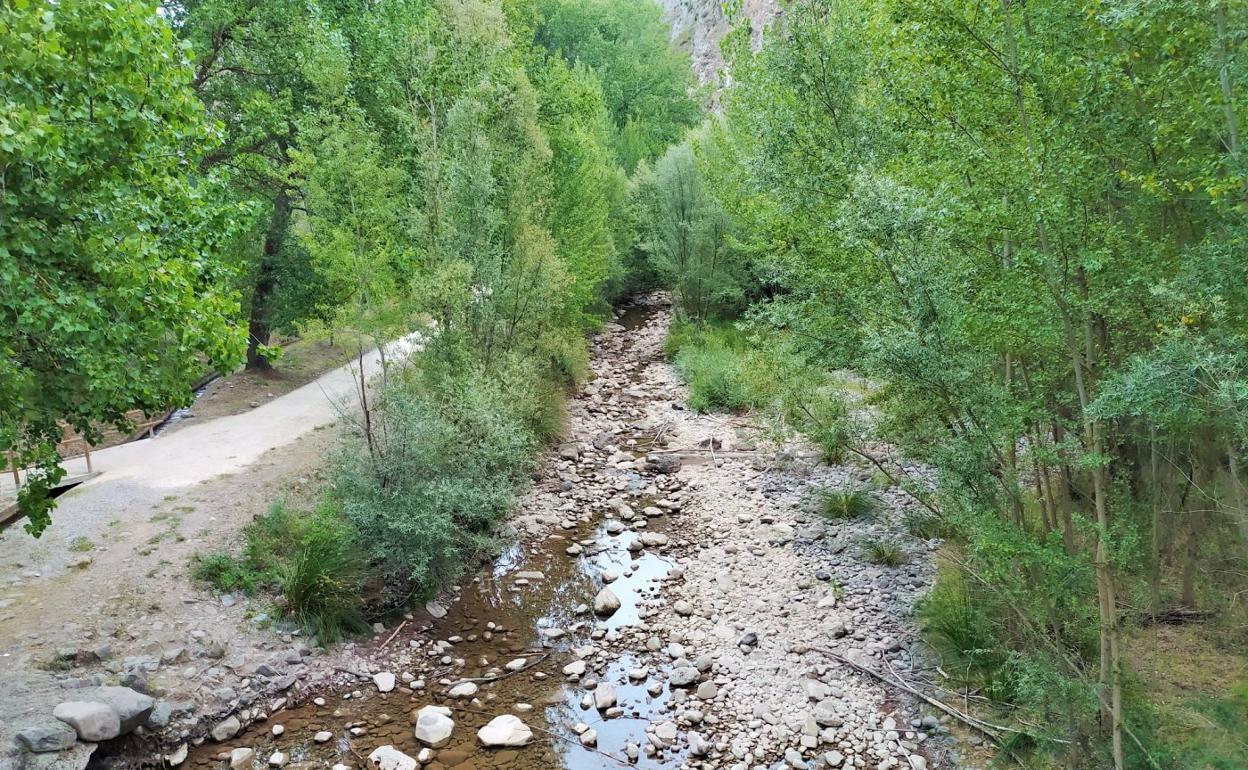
(927, 526)
(722, 371)
(310, 558)
(321, 580)
(886, 553)
(818, 409)
(962, 633)
(225, 573)
(450, 451)
(844, 504)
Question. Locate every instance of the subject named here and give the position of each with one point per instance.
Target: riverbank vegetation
(457, 174)
(1026, 223)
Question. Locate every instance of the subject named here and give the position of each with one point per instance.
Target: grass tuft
(837, 505)
(886, 553)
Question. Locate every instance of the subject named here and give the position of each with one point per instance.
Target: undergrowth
(310, 558)
(835, 504)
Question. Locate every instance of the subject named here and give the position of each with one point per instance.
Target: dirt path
(105, 593)
(724, 580)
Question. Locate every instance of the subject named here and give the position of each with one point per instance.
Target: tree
(259, 67)
(647, 84)
(115, 281)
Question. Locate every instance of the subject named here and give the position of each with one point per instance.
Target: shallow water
(519, 610)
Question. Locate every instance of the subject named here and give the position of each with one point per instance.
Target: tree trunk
(258, 330)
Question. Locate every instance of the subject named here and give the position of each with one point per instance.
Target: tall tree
(114, 276)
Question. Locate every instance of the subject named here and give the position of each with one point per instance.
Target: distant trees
(1027, 221)
(116, 280)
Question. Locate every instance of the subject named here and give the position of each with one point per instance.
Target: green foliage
(458, 445)
(885, 552)
(312, 559)
(1018, 219)
(839, 504)
(720, 369)
(225, 572)
(686, 237)
(646, 83)
(113, 282)
(927, 526)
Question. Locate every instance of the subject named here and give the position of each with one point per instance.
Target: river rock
(92, 720)
(178, 755)
(683, 676)
(604, 696)
(132, 707)
(434, 726)
(505, 730)
(390, 758)
(50, 736)
(241, 759)
(663, 464)
(324, 736)
(226, 729)
(278, 759)
(464, 690)
(606, 602)
(385, 681)
(575, 668)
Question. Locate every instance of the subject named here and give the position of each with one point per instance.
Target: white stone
(385, 681)
(390, 758)
(505, 730)
(434, 727)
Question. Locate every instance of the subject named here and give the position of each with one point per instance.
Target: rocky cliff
(699, 25)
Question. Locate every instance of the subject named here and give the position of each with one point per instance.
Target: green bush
(322, 580)
(927, 526)
(312, 559)
(837, 504)
(225, 573)
(722, 370)
(815, 405)
(451, 448)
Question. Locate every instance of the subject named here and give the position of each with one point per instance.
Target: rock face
(698, 26)
(92, 720)
(390, 758)
(53, 736)
(434, 726)
(505, 730)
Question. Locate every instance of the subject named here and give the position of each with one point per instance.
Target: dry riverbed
(668, 601)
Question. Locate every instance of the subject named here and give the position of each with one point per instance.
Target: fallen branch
(391, 637)
(505, 674)
(988, 729)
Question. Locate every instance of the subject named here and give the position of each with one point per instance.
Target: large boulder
(132, 707)
(505, 730)
(434, 726)
(92, 720)
(390, 758)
